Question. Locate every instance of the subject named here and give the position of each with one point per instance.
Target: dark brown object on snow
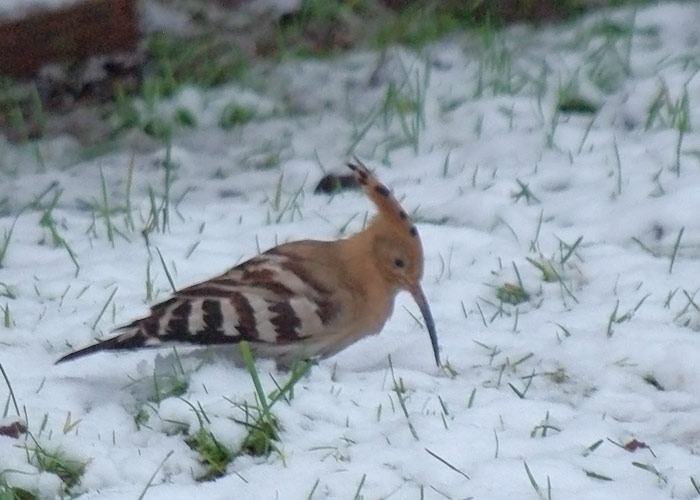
(68, 34)
(13, 430)
(332, 183)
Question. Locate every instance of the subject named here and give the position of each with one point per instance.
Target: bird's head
(395, 246)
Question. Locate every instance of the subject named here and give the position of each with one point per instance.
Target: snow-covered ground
(589, 389)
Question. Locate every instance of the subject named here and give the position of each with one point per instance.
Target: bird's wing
(273, 299)
(270, 298)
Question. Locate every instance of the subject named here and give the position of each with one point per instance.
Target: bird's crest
(390, 211)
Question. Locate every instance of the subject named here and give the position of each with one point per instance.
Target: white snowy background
(601, 357)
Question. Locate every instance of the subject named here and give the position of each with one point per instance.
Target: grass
(153, 476)
(215, 455)
(161, 207)
(674, 253)
(691, 304)
(56, 462)
(173, 288)
(616, 318)
(51, 227)
(263, 428)
(7, 319)
(401, 394)
(216, 56)
(448, 464)
(168, 386)
(512, 293)
(525, 193)
(544, 427)
(9, 492)
(398, 116)
(542, 494)
(555, 272)
(205, 60)
(104, 308)
(6, 239)
(11, 395)
(280, 204)
(235, 114)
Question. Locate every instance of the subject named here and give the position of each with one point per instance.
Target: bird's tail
(132, 339)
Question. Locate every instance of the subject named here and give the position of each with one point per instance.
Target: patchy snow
(601, 356)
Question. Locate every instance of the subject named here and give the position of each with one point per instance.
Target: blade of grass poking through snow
(650, 468)
(675, 250)
(612, 319)
(73, 257)
(250, 365)
(105, 209)
(298, 371)
(439, 458)
(167, 182)
(695, 484)
(682, 122)
(585, 135)
(570, 249)
(167, 272)
(313, 489)
(153, 476)
(12, 393)
(536, 486)
(128, 217)
(644, 247)
(7, 320)
(534, 244)
(521, 394)
(57, 462)
(263, 432)
(596, 475)
(104, 308)
(358, 496)
(691, 302)
(399, 390)
(6, 238)
(618, 164)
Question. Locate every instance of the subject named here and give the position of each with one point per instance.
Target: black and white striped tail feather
(130, 340)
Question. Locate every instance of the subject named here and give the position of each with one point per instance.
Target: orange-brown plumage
(302, 299)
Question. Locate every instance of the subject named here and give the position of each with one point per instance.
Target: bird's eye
(399, 263)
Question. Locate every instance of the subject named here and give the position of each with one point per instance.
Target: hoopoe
(299, 300)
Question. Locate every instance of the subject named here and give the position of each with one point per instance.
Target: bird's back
(287, 303)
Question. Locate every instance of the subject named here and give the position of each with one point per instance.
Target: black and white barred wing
(270, 301)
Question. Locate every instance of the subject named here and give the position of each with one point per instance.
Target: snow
(608, 355)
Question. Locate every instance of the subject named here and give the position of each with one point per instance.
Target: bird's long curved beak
(420, 299)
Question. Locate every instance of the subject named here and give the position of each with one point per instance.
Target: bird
(298, 301)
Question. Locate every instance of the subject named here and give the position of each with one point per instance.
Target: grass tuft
(9, 492)
(235, 114)
(401, 393)
(11, 397)
(56, 462)
(512, 293)
(263, 427)
(214, 454)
